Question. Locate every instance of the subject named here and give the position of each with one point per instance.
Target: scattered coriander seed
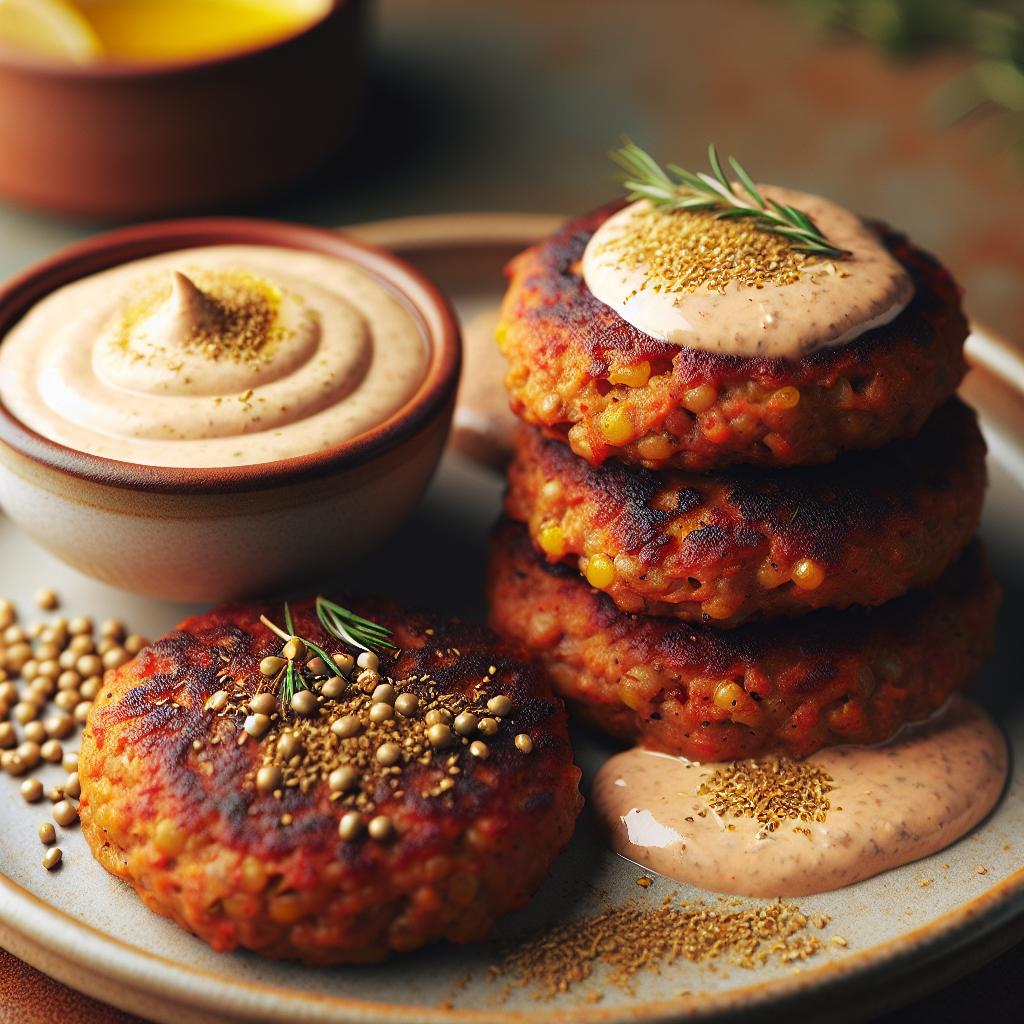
(8, 692)
(12, 763)
(134, 643)
(66, 660)
(46, 599)
(389, 754)
(89, 665)
(271, 665)
(256, 725)
(32, 791)
(343, 779)
(293, 649)
(524, 743)
(304, 703)
(480, 750)
(344, 661)
(218, 701)
(69, 679)
(466, 723)
(108, 643)
(69, 762)
(52, 858)
(351, 826)
(439, 735)
(407, 704)
(17, 655)
(81, 712)
(381, 713)
(55, 794)
(383, 694)
(115, 657)
(288, 745)
(368, 679)
(317, 666)
(346, 726)
(112, 628)
(269, 778)
(73, 786)
(81, 645)
(333, 688)
(368, 660)
(29, 753)
(263, 703)
(47, 833)
(68, 700)
(25, 712)
(52, 752)
(36, 732)
(438, 716)
(8, 737)
(500, 706)
(380, 828)
(64, 813)
(80, 624)
(91, 688)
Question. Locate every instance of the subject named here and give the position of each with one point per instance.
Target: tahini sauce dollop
(216, 356)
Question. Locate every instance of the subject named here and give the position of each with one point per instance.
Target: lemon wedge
(48, 28)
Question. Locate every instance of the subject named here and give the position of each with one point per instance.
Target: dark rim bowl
(421, 297)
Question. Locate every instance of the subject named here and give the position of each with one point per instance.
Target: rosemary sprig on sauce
(672, 188)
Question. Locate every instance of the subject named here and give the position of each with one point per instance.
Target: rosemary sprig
(352, 628)
(674, 188)
(340, 623)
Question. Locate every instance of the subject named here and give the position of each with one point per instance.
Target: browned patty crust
(169, 804)
(831, 677)
(750, 542)
(583, 374)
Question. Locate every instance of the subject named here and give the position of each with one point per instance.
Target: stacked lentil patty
(721, 556)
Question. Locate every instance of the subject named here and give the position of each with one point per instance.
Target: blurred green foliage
(990, 33)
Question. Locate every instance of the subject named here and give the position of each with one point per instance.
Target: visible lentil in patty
(750, 542)
(174, 802)
(585, 376)
(852, 676)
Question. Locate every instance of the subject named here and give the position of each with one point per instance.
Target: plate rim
(123, 974)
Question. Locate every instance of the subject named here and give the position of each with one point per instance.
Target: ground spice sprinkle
(633, 937)
(681, 252)
(772, 791)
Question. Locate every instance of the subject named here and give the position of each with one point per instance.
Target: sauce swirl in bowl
(213, 356)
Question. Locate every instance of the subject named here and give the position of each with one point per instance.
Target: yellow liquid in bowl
(153, 31)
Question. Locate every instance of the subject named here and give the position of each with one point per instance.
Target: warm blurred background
(910, 110)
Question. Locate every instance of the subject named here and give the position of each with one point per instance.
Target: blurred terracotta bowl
(220, 533)
(131, 140)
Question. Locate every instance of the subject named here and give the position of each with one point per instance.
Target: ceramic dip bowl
(210, 534)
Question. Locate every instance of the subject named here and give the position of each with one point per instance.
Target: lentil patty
(830, 677)
(584, 375)
(169, 802)
(750, 542)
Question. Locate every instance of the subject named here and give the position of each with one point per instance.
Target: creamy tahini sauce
(831, 303)
(149, 362)
(891, 805)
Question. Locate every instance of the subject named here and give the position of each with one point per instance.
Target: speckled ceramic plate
(90, 931)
